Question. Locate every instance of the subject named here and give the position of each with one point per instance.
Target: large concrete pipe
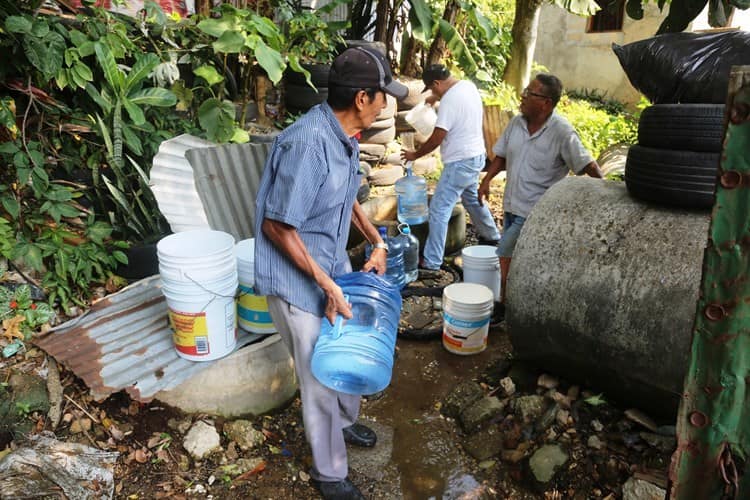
(602, 289)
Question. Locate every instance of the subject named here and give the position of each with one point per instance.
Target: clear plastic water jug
(355, 356)
(412, 198)
(394, 271)
(395, 263)
(411, 253)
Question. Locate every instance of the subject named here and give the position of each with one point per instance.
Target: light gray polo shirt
(536, 162)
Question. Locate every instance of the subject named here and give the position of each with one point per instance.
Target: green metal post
(713, 426)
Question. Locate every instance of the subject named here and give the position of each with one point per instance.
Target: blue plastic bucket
(355, 356)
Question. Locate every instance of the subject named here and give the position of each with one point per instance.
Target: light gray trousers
(324, 411)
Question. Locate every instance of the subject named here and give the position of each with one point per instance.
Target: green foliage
(502, 95)
(597, 128)
(309, 37)
(17, 302)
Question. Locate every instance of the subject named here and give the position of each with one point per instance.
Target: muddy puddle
(426, 451)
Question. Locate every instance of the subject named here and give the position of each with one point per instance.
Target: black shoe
(491, 243)
(360, 435)
(338, 490)
(498, 314)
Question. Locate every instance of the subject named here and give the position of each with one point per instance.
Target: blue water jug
(412, 198)
(355, 356)
(411, 253)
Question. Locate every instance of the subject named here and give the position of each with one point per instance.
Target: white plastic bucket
(202, 318)
(466, 317)
(422, 117)
(252, 309)
(482, 265)
(199, 276)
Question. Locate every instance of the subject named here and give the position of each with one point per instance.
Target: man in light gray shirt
(538, 148)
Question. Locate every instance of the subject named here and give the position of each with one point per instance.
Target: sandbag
(684, 67)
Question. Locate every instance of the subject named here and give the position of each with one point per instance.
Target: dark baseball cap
(361, 67)
(432, 73)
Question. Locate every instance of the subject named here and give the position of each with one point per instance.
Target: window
(609, 18)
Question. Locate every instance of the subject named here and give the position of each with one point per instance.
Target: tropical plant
(309, 37)
(598, 128)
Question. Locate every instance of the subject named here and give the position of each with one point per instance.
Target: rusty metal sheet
(124, 343)
(227, 178)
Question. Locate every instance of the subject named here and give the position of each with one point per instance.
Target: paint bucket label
(192, 337)
(462, 336)
(190, 332)
(252, 311)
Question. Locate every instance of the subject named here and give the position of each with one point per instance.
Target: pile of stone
(554, 437)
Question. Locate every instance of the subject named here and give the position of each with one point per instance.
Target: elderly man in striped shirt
(306, 202)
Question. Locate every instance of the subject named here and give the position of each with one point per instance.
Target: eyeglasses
(526, 92)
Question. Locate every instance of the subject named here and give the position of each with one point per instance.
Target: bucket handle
(235, 296)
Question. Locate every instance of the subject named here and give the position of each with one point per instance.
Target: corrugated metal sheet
(171, 180)
(124, 343)
(227, 179)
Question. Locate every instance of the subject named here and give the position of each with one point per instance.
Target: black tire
(426, 333)
(667, 177)
(687, 127)
(363, 194)
(303, 97)
(318, 75)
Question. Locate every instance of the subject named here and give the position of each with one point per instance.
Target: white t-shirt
(460, 114)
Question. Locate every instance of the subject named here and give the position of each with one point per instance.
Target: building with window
(579, 49)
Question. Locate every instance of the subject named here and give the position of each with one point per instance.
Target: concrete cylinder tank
(602, 289)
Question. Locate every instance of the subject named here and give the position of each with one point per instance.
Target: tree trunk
(409, 50)
(525, 23)
(437, 49)
(382, 15)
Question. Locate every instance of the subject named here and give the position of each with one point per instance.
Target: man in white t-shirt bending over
(458, 132)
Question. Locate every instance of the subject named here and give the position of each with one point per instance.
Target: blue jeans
(512, 225)
(458, 181)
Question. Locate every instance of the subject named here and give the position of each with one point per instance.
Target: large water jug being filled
(412, 198)
(355, 355)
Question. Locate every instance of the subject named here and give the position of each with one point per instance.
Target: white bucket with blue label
(252, 309)
(467, 308)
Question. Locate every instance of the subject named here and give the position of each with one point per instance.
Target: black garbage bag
(684, 67)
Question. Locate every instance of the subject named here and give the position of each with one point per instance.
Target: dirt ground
(427, 459)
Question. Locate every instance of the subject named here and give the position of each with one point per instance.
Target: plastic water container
(482, 265)
(394, 271)
(412, 198)
(411, 253)
(466, 317)
(199, 281)
(252, 309)
(355, 356)
(423, 118)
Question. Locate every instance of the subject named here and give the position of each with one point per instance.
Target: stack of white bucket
(482, 265)
(199, 275)
(252, 309)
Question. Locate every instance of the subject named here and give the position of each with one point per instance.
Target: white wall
(586, 60)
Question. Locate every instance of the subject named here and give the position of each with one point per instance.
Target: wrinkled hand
(484, 192)
(431, 99)
(377, 261)
(408, 155)
(336, 303)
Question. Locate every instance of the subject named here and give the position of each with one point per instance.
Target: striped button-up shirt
(310, 182)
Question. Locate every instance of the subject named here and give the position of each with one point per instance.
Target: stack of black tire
(298, 95)
(677, 156)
